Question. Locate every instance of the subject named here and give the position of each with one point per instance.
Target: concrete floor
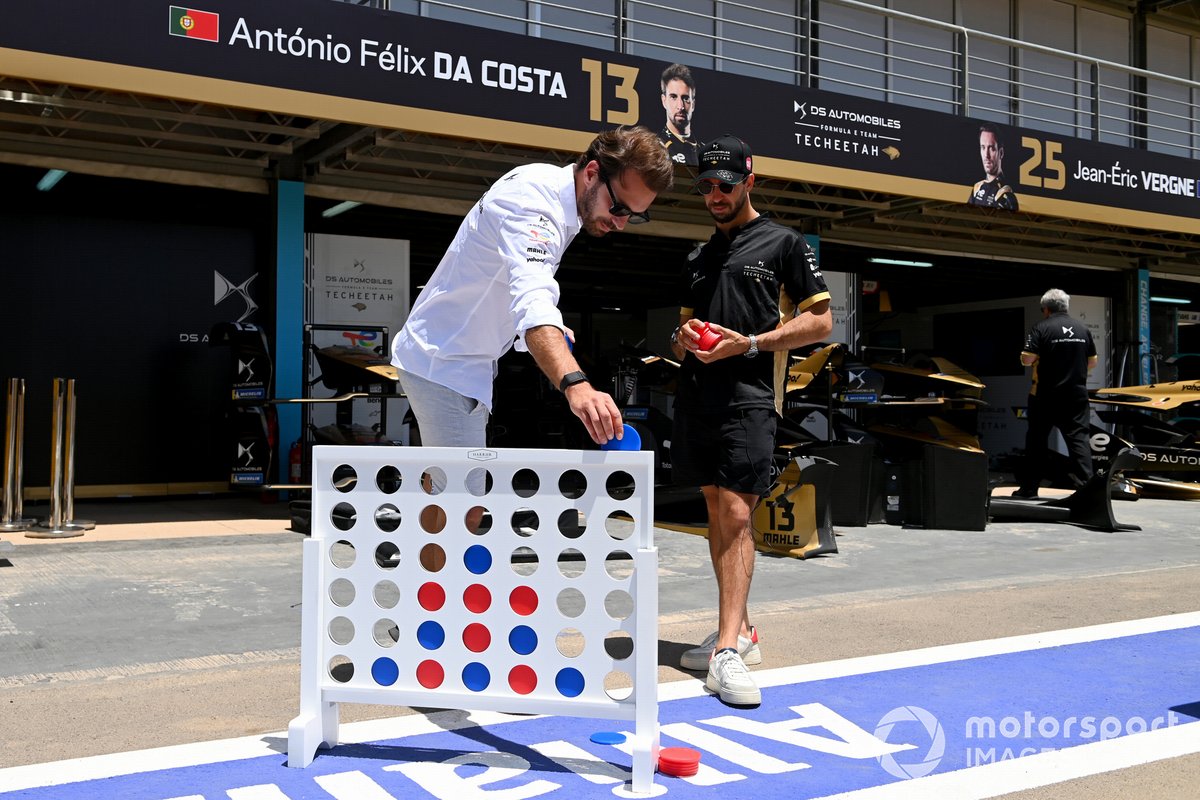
(191, 608)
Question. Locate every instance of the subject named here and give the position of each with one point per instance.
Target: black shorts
(731, 448)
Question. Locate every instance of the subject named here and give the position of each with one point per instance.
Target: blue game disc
(569, 682)
(631, 440)
(523, 640)
(431, 635)
(478, 559)
(608, 737)
(476, 676)
(384, 671)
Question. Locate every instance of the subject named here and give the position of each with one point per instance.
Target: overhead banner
(344, 62)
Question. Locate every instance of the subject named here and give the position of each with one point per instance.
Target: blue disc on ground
(478, 559)
(430, 635)
(476, 676)
(569, 682)
(608, 737)
(631, 440)
(384, 671)
(523, 640)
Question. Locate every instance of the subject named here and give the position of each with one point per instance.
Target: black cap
(725, 159)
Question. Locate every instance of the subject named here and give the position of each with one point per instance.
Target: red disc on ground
(430, 674)
(477, 598)
(523, 600)
(678, 761)
(431, 596)
(522, 679)
(477, 638)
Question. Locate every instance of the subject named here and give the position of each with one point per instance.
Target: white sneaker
(698, 657)
(729, 678)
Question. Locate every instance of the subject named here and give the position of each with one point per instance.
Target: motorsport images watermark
(989, 739)
(1055, 733)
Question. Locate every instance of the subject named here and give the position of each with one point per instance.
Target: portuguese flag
(195, 24)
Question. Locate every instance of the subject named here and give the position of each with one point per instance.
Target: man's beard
(591, 223)
(734, 209)
(682, 123)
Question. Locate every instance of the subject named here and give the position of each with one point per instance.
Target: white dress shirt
(495, 282)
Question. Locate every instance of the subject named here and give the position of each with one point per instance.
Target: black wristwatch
(570, 379)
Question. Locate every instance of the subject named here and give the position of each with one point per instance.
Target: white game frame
(370, 522)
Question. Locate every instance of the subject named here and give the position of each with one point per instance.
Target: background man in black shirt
(1061, 351)
(757, 286)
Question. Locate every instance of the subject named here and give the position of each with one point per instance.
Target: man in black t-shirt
(751, 293)
(1061, 351)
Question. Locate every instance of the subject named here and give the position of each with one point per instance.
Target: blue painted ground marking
(809, 739)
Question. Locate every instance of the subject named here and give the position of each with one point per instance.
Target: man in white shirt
(495, 288)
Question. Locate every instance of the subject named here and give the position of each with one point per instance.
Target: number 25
(1053, 164)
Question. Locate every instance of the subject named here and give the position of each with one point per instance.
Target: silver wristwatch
(753, 351)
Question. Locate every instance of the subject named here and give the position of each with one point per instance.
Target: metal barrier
(11, 518)
(68, 481)
(62, 468)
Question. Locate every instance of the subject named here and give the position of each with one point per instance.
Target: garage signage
(340, 61)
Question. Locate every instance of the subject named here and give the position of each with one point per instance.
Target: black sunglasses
(619, 209)
(704, 187)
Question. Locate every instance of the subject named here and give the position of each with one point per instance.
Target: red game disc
(678, 761)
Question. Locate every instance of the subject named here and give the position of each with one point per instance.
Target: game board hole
(478, 520)
(341, 554)
(431, 596)
(571, 563)
(524, 561)
(386, 632)
(386, 594)
(618, 645)
(341, 592)
(433, 558)
(388, 479)
(570, 642)
(618, 604)
(477, 598)
(620, 485)
(525, 522)
(344, 478)
(618, 685)
(387, 518)
(571, 602)
(572, 484)
(571, 524)
(618, 526)
(341, 630)
(343, 516)
(433, 519)
(387, 555)
(477, 559)
(433, 480)
(526, 483)
(479, 481)
(619, 565)
(341, 669)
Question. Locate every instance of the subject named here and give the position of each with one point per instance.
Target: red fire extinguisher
(296, 463)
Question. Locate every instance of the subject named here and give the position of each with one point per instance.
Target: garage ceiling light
(333, 211)
(900, 263)
(51, 178)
